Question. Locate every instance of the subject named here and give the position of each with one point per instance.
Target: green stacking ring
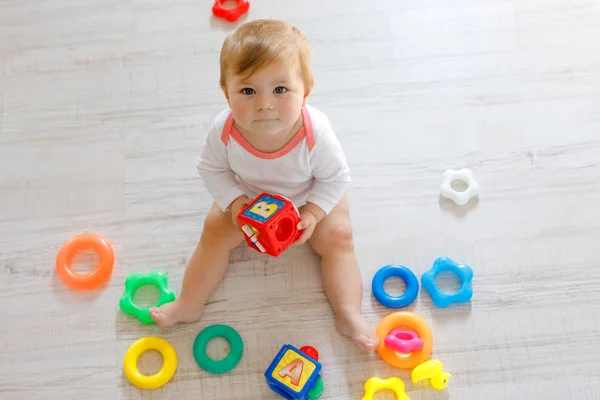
(235, 353)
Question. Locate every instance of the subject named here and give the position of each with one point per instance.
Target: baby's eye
(280, 90)
(248, 91)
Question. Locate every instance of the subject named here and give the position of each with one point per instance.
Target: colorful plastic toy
(98, 275)
(394, 384)
(465, 175)
(311, 352)
(233, 14)
(431, 370)
(409, 278)
(404, 319)
(465, 274)
(270, 223)
(403, 341)
(133, 283)
(292, 373)
(161, 377)
(236, 346)
(316, 391)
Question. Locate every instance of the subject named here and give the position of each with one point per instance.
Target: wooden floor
(104, 105)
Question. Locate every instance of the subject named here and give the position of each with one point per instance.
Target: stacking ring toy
(403, 320)
(465, 175)
(98, 275)
(230, 14)
(409, 278)
(133, 283)
(403, 341)
(236, 346)
(394, 384)
(161, 377)
(465, 274)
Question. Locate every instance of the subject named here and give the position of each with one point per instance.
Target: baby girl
(270, 140)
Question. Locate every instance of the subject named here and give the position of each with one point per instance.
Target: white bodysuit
(312, 167)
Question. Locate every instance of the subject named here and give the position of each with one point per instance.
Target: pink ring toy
(403, 341)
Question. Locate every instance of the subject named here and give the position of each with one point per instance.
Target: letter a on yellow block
(293, 370)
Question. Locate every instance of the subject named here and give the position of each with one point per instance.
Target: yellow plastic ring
(161, 377)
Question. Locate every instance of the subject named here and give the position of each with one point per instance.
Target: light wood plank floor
(104, 105)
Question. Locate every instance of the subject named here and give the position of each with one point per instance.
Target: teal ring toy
(236, 346)
(445, 264)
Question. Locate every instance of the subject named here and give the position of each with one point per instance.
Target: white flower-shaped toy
(459, 197)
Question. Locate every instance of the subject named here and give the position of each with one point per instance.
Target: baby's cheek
(241, 110)
(292, 111)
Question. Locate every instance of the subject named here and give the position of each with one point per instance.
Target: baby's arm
(216, 172)
(331, 172)
(332, 178)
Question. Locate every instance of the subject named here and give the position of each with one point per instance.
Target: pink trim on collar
(308, 128)
(227, 129)
(306, 131)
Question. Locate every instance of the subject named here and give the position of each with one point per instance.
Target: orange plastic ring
(98, 275)
(404, 319)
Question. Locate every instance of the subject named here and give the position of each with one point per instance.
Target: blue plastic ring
(464, 273)
(409, 278)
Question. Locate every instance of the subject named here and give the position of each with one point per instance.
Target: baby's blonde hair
(257, 44)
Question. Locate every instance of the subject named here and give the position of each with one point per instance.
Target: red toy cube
(270, 223)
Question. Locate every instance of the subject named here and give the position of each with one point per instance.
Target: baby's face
(269, 102)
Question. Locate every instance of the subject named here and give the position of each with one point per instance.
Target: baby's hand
(237, 206)
(307, 225)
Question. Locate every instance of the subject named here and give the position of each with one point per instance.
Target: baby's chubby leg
(332, 240)
(205, 270)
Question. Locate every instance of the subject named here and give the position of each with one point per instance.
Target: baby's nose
(263, 102)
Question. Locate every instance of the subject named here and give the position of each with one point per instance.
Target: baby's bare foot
(177, 311)
(353, 325)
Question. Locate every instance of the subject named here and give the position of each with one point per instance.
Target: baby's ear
(309, 89)
(224, 90)
(307, 93)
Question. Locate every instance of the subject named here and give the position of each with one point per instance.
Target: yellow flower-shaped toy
(133, 283)
(394, 384)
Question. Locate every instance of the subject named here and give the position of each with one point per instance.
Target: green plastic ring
(236, 346)
(317, 391)
(133, 283)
